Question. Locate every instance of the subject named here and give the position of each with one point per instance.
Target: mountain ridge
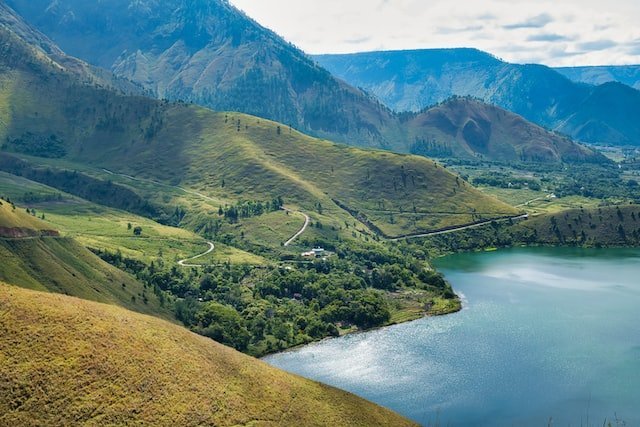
(56, 117)
(599, 74)
(412, 80)
(214, 55)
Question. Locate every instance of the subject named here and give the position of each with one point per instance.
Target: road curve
(464, 227)
(307, 220)
(183, 263)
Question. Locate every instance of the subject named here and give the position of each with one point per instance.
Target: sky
(560, 33)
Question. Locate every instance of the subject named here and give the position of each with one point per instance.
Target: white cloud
(572, 32)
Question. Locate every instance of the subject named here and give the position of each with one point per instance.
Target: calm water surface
(546, 333)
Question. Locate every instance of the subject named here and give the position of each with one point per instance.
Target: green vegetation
(228, 158)
(267, 309)
(35, 257)
(614, 226)
(20, 222)
(97, 359)
(104, 228)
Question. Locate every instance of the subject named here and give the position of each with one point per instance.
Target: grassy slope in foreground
(66, 361)
(61, 265)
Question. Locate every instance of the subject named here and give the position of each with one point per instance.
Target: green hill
(17, 223)
(34, 257)
(604, 226)
(71, 362)
(229, 157)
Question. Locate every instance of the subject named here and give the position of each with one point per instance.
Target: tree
(137, 231)
(223, 324)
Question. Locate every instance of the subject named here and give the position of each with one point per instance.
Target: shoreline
(458, 309)
(459, 298)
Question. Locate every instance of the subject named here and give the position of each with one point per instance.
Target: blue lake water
(545, 334)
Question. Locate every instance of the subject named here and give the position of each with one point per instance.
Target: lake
(545, 334)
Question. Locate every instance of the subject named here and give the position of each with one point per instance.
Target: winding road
(463, 227)
(183, 263)
(307, 220)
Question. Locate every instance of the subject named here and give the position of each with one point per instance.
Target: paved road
(307, 220)
(183, 263)
(464, 227)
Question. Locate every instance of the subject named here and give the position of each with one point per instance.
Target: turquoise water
(545, 334)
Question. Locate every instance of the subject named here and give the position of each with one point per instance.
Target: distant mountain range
(413, 80)
(209, 53)
(625, 74)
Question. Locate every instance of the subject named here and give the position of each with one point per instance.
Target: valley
(182, 191)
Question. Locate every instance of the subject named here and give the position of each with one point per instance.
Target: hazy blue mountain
(626, 74)
(412, 80)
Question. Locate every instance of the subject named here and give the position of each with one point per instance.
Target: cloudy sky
(564, 32)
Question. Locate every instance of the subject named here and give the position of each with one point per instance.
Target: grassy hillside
(105, 365)
(107, 229)
(35, 258)
(603, 226)
(230, 157)
(15, 223)
(614, 226)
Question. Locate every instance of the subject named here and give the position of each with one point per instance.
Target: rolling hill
(414, 79)
(228, 156)
(35, 257)
(66, 361)
(209, 53)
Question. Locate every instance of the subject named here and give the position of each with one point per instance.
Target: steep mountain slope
(68, 362)
(34, 257)
(82, 71)
(625, 74)
(412, 80)
(208, 52)
(473, 129)
(227, 156)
